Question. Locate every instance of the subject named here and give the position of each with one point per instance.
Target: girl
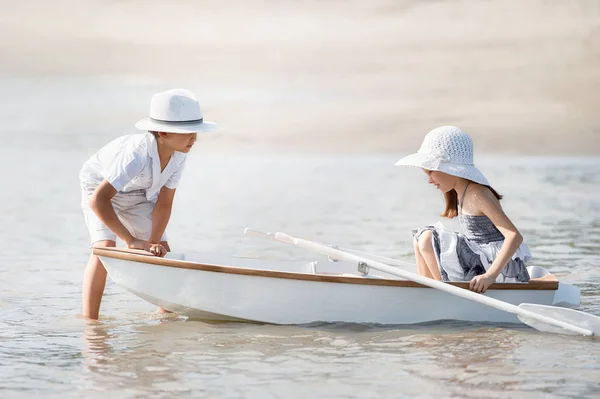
(128, 186)
(490, 248)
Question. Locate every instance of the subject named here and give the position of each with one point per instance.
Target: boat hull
(218, 295)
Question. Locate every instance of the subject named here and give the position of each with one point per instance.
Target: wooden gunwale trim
(145, 257)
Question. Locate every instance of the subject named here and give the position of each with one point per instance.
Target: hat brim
(469, 172)
(415, 160)
(149, 124)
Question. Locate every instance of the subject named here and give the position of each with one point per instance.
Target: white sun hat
(446, 149)
(175, 111)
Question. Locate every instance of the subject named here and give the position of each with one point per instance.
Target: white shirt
(131, 163)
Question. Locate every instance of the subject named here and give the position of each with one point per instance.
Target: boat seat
(536, 272)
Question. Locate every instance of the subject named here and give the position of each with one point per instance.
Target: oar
(540, 317)
(388, 261)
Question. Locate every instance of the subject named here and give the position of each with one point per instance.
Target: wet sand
(312, 76)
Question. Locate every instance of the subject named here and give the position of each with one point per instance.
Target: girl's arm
(101, 204)
(162, 213)
(486, 203)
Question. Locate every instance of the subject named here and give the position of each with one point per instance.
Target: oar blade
(570, 316)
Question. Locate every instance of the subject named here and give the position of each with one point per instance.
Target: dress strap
(462, 198)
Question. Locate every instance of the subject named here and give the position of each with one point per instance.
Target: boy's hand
(139, 244)
(158, 250)
(154, 249)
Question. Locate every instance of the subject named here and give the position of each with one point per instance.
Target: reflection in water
(232, 359)
(126, 356)
(96, 335)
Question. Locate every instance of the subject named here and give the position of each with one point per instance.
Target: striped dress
(466, 254)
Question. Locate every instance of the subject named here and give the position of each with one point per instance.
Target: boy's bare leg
(166, 245)
(94, 280)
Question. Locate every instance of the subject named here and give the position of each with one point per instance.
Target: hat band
(459, 163)
(190, 122)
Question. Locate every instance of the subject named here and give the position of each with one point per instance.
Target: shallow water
(363, 202)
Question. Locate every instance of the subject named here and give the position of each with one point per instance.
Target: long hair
(451, 198)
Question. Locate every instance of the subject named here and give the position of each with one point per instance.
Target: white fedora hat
(175, 111)
(446, 149)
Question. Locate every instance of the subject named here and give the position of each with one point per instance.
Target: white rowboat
(216, 287)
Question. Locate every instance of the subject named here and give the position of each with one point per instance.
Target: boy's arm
(101, 204)
(162, 213)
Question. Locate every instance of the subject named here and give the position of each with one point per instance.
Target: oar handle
(486, 300)
(260, 234)
(388, 261)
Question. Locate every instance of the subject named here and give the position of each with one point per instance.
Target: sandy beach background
(522, 77)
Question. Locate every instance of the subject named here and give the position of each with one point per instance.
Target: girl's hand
(158, 250)
(481, 283)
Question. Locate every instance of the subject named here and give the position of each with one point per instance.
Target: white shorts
(133, 210)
